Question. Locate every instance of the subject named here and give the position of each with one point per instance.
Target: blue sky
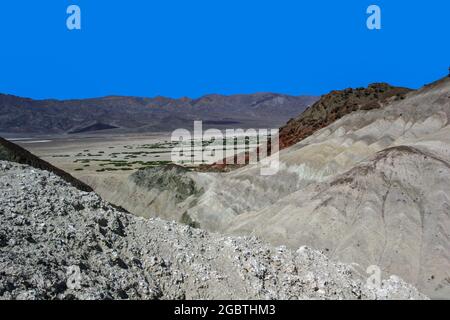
(193, 47)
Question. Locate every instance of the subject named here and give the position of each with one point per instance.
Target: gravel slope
(57, 242)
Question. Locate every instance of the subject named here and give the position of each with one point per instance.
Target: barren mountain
(57, 242)
(130, 114)
(325, 111)
(371, 187)
(335, 105)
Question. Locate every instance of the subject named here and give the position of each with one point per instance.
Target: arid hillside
(57, 242)
(335, 105)
(371, 187)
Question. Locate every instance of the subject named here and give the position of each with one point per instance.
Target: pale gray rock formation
(374, 189)
(371, 188)
(391, 211)
(57, 242)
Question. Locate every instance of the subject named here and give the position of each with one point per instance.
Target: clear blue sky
(194, 47)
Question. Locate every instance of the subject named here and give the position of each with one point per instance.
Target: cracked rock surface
(57, 242)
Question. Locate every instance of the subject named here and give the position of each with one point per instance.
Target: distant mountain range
(132, 114)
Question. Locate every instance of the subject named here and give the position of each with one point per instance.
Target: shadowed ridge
(12, 152)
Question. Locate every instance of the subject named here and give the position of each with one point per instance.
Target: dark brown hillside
(326, 110)
(334, 106)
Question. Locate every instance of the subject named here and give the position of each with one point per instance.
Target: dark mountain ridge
(50, 116)
(335, 105)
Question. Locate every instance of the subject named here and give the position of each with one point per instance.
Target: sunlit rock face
(371, 187)
(57, 242)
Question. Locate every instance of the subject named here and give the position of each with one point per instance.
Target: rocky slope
(117, 114)
(57, 242)
(322, 113)
(392, 211)
(335, 105)
(12, 152)
(165, 192)
(372, 188)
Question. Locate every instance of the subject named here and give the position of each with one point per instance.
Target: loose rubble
(57, 242)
